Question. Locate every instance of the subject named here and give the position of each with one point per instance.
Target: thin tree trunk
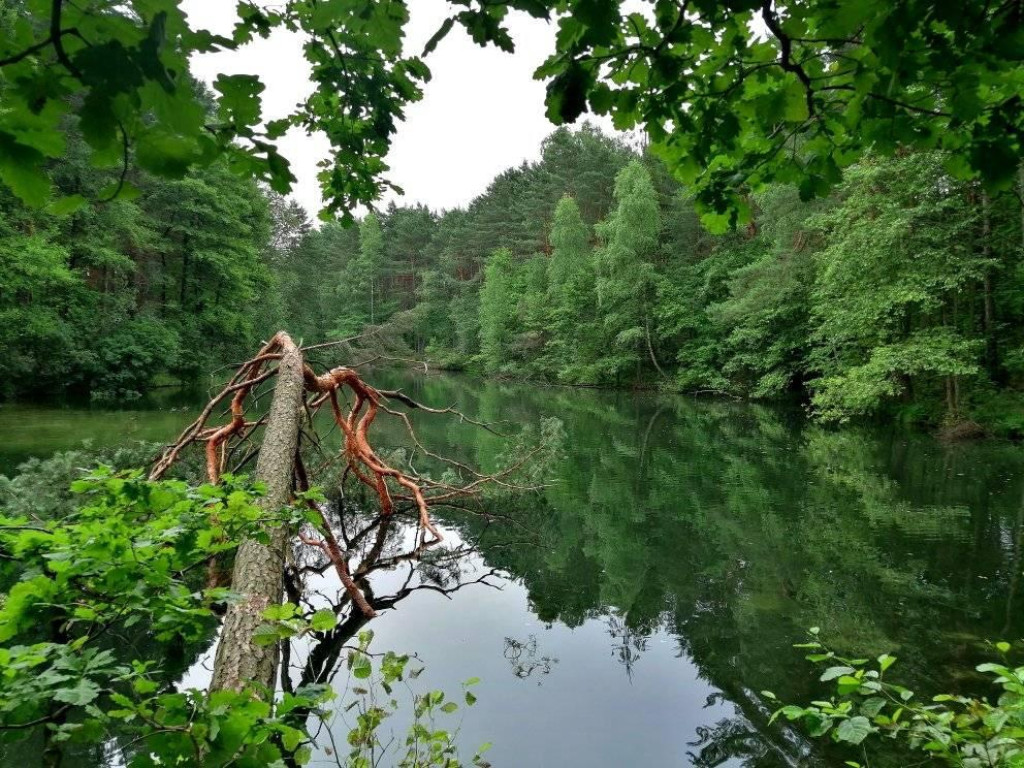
(184, 279)
(163, 284)
(989, 316)
(650, 347)
(258, 567)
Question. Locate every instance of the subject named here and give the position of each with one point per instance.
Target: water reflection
(732, 529)
(524, 659)
(657, 583)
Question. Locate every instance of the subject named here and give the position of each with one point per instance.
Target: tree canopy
(733, 95)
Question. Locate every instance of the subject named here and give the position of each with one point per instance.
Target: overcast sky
(481, 113)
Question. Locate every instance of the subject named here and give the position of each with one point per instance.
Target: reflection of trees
(523, 657)
(627, 644)
(729, 739)
(730, 526)
(374, 544)
(737, 527)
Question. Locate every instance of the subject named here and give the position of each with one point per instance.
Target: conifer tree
(370, 265)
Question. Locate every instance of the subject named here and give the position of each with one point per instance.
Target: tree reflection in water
(715, 532)
(375, 546)
(522, 657)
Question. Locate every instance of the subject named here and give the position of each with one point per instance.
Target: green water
(657, 584)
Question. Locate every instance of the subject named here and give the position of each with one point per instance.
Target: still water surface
(657, 584)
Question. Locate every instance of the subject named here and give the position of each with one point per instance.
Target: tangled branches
(326, 392)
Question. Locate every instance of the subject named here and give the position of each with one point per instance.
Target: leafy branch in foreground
(733, 96)
(425, 743)
(959, 730)
(128, 563)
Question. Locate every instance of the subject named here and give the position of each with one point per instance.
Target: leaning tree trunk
(258, 567)
(258, 571)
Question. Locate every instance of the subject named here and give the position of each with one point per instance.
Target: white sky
(481, 113)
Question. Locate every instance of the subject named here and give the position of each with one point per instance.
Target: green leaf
(854, 730)
(291, 738)
(361, 666)
(279, 611)
(567, 93)
(21, 169)
(66, 205)
(795, 109)
(847, 684)
(438, 36)
(833, 672)
(871, 707)
(323, 620)
(240, 98)
(166, 154)
(266, 634)
(83, 693)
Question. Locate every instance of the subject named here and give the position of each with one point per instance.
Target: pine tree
(370, 265)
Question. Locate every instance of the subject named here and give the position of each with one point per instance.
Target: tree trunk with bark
(989, 310)
(258, 567)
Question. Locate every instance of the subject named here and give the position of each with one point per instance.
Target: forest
(898, 293)
(641, 439)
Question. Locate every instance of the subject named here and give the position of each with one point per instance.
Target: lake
(656, 584)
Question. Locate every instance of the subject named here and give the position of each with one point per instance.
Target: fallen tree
(131, 551)
(299, 393)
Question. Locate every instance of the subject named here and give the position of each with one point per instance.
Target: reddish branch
(358, 451)
(386, 482)
(329, 546)
(241, 386)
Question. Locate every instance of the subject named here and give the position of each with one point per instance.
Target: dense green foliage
(733, 95)
(960, 731)
(126, 559)
(591, 266)
(863, 156)
(120, 75)
(898, 285)
(106, 298)
(588, 266)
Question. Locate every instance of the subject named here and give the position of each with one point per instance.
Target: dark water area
(657, 583)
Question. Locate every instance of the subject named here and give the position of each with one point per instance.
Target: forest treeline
(113, 297)
(900, 290)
